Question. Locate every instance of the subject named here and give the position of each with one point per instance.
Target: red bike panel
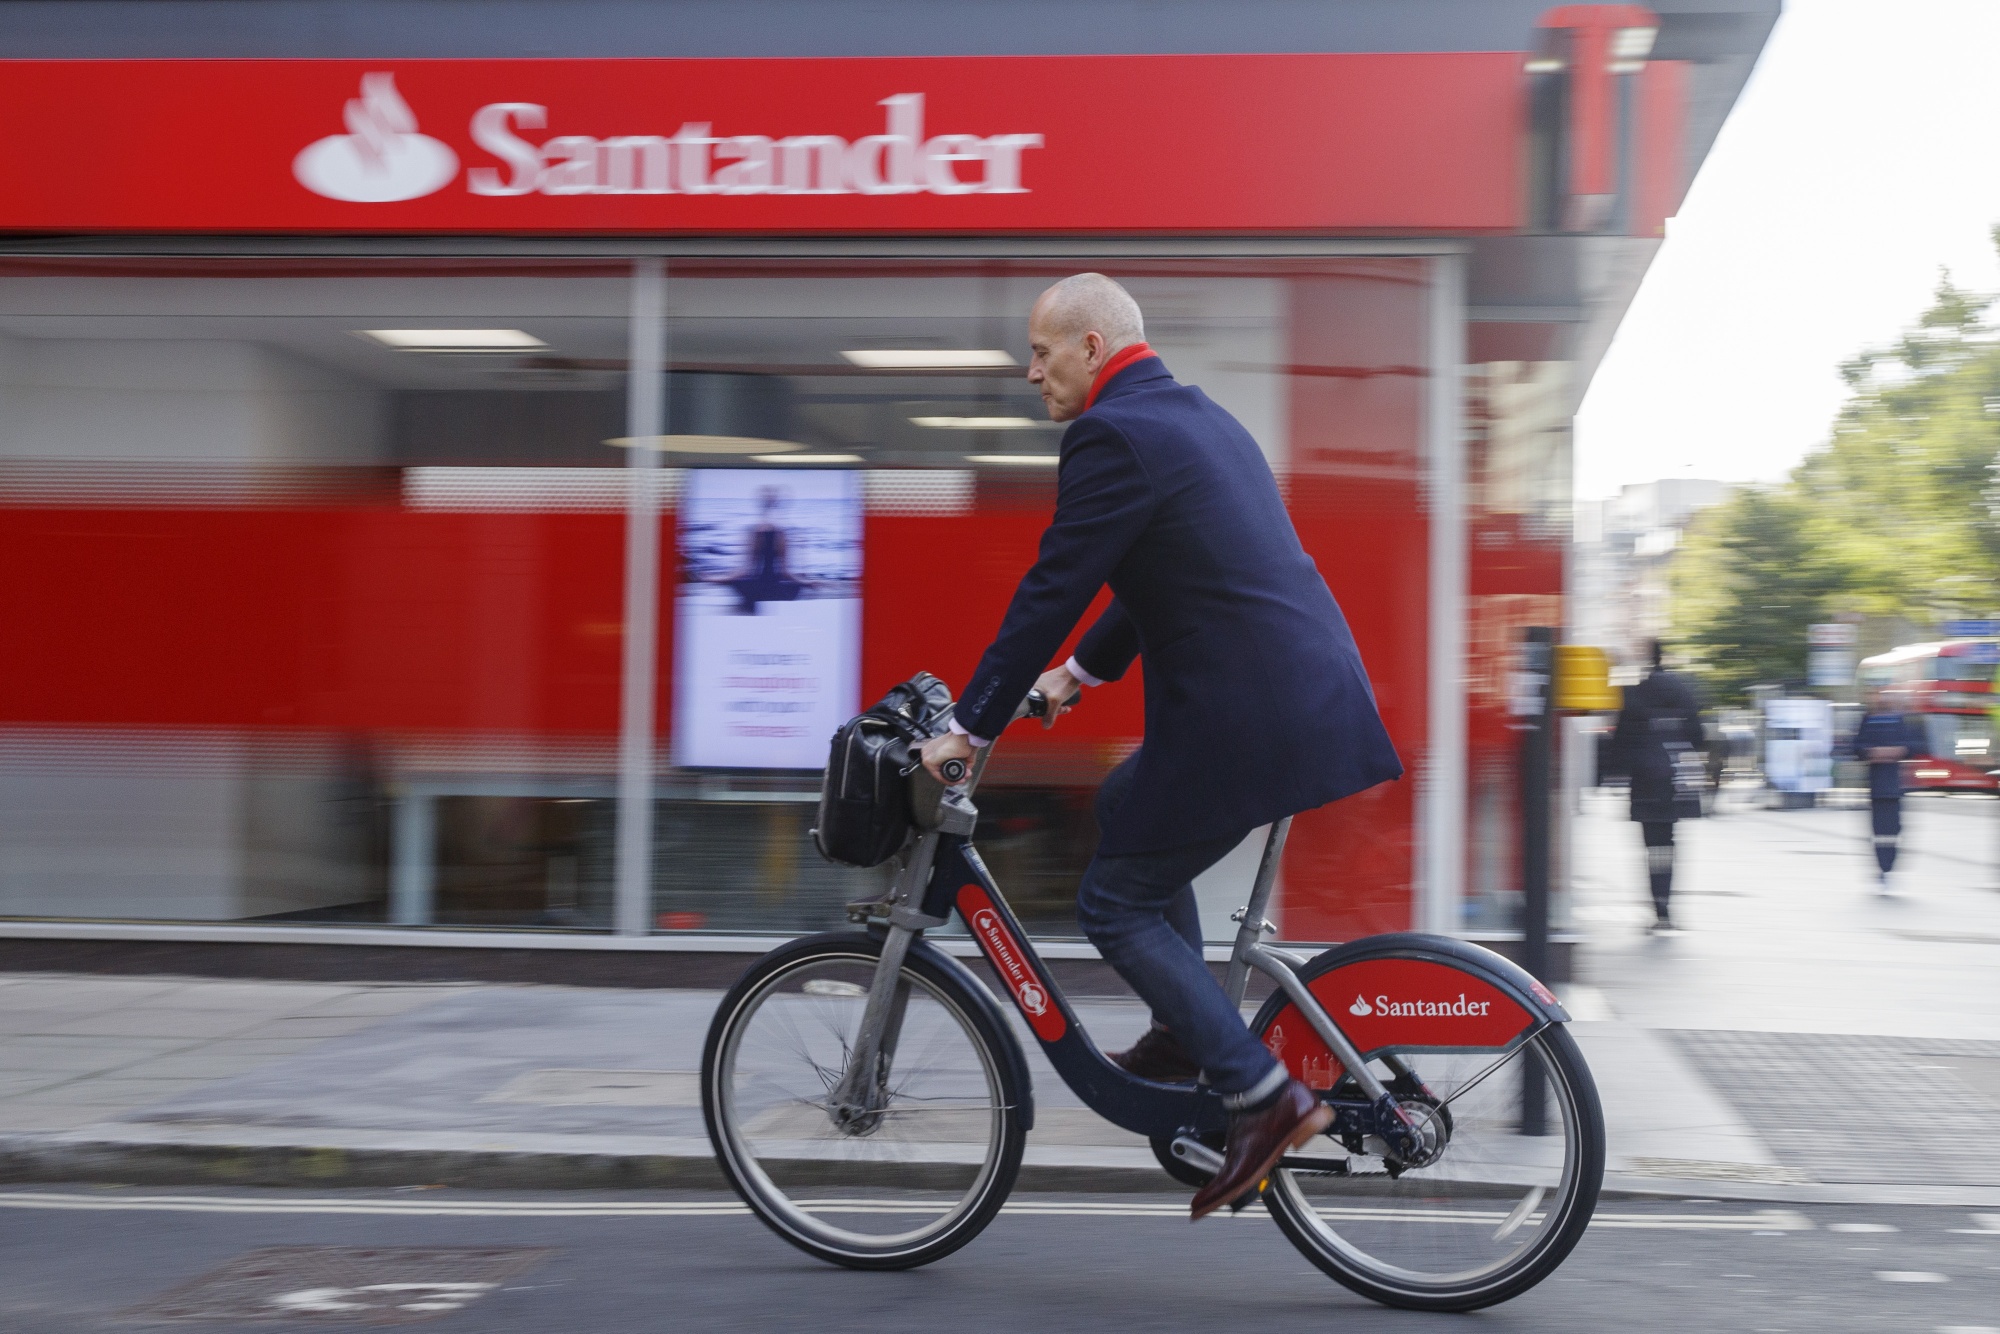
(1398, 1003)
(989, 928)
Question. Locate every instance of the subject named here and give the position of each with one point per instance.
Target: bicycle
(869, 1101)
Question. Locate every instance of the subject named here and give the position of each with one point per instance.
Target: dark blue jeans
(1139, 910)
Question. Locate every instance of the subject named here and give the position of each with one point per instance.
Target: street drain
(356, 1285)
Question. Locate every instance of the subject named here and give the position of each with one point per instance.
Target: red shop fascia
(1404, 153)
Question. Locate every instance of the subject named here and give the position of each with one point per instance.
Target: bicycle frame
(944, 873)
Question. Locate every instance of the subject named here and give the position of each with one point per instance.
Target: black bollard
(1534, 705)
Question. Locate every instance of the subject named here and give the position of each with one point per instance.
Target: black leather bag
(864, 800)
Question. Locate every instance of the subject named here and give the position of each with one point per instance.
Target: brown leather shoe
(1257, 1140)
(1157, 1056)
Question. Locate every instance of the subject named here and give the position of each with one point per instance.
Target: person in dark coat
(1885, 739)
(1657, 745)
(1257, 705)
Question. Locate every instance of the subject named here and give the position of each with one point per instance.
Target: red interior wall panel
(1357, 384)
(352, 618)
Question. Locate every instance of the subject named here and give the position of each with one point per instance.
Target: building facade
(457, 458)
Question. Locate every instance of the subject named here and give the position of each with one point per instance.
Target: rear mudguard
(1411, 992)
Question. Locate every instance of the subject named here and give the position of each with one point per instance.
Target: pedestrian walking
(1658, 745)
(1885, 739)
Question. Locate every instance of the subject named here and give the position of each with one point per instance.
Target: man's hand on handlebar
(1061, 690)
(942, 747)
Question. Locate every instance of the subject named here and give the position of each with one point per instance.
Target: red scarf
(1120, 359)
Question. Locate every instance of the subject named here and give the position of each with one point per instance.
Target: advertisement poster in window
(768, 616)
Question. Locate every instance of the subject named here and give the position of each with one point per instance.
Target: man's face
(1062, 365)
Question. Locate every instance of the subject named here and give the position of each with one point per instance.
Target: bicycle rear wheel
(896, 1188)
(1491, 1216)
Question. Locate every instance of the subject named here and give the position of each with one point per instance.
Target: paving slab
(84, 993)
(46, 1052)
(1659, 1110)
(1785, 930)
(221, 995)
(150, 1021)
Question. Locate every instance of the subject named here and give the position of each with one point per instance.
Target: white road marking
(1862, 1227)
(1785, 1220)
(431, 1297)
(1911, 1276)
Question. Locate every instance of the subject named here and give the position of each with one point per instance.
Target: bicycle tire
(952, 1000)
(1556, 1231)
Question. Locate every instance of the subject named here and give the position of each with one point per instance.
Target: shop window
(325, 621)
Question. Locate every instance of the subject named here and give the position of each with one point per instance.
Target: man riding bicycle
(1257, 704)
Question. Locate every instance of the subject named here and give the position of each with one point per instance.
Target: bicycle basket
(864, 800)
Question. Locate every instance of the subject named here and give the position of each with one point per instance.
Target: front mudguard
(978, 994)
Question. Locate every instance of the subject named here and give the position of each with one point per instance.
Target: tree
(1746, 585)
(1893, 518)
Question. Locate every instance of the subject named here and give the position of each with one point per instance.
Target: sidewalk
(1801, 1041)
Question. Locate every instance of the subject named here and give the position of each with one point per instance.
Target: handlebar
(1035, 707)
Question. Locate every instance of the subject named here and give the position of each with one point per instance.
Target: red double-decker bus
(1946, 690)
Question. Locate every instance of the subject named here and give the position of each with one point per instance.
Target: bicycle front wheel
(908, 1182)
(1500, 1206)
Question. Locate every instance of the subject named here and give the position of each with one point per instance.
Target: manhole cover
(357, 1285)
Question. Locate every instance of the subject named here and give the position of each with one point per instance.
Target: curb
(28, 1159)
(306, 1165)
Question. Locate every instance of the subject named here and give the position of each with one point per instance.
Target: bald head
(1084, 302)
(1075, 327)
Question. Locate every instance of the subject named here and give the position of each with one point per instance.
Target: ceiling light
(928, 358)
(806, 458)
(1033, 460)
(706, 444)
(455, 340)
(979, 423)
(1632, 43)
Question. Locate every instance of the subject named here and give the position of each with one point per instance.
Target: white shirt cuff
(1076, 670)
(977, 741)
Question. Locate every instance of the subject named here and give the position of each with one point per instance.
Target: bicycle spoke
(1479, 1212)
(922, 1155)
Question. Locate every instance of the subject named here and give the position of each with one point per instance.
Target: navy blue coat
(1885, 780)
(1257, 705)
(1660, 715)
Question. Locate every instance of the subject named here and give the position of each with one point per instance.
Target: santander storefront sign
(384, 158)
(1312, 142)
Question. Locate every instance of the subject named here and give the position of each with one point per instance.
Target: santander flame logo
(1360, 1007)
(381, 159)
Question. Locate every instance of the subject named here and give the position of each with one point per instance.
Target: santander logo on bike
(1007, 960)
(1033, 999)
(1411, 1009)
(383, 159)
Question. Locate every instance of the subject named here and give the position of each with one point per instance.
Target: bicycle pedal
(1249, 1197)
